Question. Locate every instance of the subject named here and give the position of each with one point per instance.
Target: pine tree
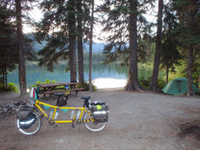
(122, 27)
(22, 69)
(133, 83)
(187, 12)
(80, 40)
(90, 50)
(153, 85)
(63, 26)
(72, 39)
(9, 41)
(8, 52)
(169, 55)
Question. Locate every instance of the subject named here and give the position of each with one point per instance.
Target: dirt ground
(139, 121)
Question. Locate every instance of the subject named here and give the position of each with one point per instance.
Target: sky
(37, 14)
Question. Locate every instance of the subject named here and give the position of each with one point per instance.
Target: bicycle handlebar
(86, 101)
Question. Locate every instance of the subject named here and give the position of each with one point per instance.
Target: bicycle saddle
(85, 97)
(58, 94)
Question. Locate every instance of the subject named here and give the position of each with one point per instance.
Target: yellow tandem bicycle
(94, 115)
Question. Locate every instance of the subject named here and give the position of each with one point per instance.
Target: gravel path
(139, 121)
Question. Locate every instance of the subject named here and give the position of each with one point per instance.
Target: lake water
(114, 72)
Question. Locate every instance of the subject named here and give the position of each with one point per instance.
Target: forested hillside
(170, 42)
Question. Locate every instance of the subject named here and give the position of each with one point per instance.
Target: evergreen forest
(171, 41)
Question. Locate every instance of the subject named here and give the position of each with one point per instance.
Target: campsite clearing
(140, 121)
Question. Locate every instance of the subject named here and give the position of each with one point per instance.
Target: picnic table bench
(52, 88)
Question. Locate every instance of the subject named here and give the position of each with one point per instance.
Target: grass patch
(10, 87)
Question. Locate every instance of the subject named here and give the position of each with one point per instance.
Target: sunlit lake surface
(103, 76)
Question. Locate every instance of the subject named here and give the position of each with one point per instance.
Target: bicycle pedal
(73, 125)
(54, 126)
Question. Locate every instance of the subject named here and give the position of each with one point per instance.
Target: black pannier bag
(26, 119)
(99, 111)
(62, 101)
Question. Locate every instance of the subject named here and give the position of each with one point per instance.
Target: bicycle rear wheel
(35, 127)
(93, 126)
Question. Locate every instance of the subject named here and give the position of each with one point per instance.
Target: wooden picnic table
(51, 88)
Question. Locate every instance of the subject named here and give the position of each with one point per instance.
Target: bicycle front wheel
(35, 127)
(93, 126)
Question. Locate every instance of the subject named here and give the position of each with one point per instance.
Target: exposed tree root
(132, 87)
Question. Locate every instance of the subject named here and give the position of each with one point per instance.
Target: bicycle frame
(32, 123)
(82, 109)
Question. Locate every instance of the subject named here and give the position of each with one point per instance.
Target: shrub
(146, 83)
(47, 81)
(10, 87)
(85, 85)
(161, 83)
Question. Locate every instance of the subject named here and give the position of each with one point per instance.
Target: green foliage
(161, 83)
(85, 85)
(10, 87)
(188, 31)
(181, 70)
(118, 23)
(47, 81)
(96, 57)
(146, 83)
(169, 56)
(60, 20)
(117, 47)
(9, 48)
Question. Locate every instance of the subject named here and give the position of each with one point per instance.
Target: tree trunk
(189, 70)
(90, 51)
(72, 38)
(80, 44)
(4, 76)
(167, 73)
(153, 85)
(22, 69)
(133, 83)
(191, 47)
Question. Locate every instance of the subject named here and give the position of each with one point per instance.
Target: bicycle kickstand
(77, 129)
